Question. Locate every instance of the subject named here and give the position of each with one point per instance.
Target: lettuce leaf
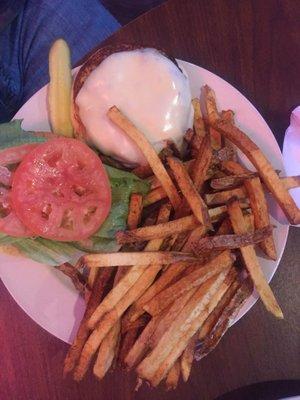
(12, 134)
(53, 253)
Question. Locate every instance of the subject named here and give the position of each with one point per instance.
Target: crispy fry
(105, 324)
(154, 195)
(261, 216)
(213, 199)
(201, 164)
(173, 376)
(156, 365)
(199, 125)
(251, 262)
(222, 242)
(229, 182)
(143, 171)
(189, 191)
(212, 116)
(106, 352)
(209, 342)
(266, 172)
(76, 277)
(233, 284)
(73, 355)
(228, 115)
(136, 258)
(159, 170)
(127, 343)
(194, 279)
(158, 231)
(291, 182)
(234, 168)
(135, 210)
(132, 276)
(187, 357)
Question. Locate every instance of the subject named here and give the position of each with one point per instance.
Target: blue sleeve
(25, 44)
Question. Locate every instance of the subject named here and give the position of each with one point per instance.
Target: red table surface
(254, 45)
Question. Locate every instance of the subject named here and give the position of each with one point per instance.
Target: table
(255, 46)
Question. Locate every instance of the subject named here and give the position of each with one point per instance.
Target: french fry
(261, 216)
(105, 324)
(135, 210)
(210, 341)
(233, 284)
(213, 199)
(136, 258)
(79, 281)
(106, 352)
(189, 191)
(143, 171)
(173, 376)
(206, 305)
(291, 182)
(199, 125)
(251, 262)
(229, 182)
(158, 231)
(116, 116)
(225, 228)
(194, 279)
(234, 168)
(59, 93)
(127, 343)
(122, 287)
(154, 195)
(212, 116)
(187, 357)
(231, 241)
(200, 166)
(264, 168)
(158, 362)
(73, 355)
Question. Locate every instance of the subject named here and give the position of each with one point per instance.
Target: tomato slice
(9, 222)
(61, 190)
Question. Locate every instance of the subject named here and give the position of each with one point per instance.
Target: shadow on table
(273, 390)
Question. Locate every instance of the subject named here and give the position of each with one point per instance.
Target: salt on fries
(172, 301)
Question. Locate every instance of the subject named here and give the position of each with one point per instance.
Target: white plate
(45, 294)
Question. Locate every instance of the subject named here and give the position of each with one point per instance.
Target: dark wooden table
(254, 45)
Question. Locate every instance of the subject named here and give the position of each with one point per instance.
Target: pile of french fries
(188, 260)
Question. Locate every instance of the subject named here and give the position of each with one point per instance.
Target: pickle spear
(60, 86)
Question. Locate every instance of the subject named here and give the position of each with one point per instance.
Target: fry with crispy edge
(212, 116)
(195, 278)
(199, 168)
(173, 376)
(117, 117)
(174, 339)
(141, 259)
(155, 328)
(135, 210)
(251, 262)
(231, 241)
(199, 125)
(120, 289)
(189, 191)
(187, 357)
(83, 332)
(260, 209)
(229, 182)
(264, 168)
(214, 199)
(158, 231)
(222, 323)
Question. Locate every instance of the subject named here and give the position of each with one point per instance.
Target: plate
(46, 295)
